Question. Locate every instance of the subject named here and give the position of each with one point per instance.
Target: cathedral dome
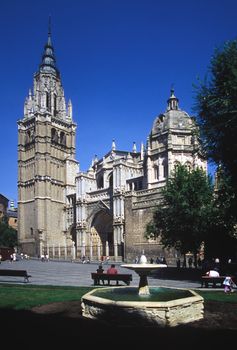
(173, 118)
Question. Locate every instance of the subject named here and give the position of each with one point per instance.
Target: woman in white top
(213, 273)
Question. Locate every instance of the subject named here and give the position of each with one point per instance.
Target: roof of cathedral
(48, 64)
(173, 118)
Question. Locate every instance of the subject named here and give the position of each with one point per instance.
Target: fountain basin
(108, 305)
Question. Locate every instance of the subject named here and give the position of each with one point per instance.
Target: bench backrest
(112, 276)
(213, 277)
(9, 272)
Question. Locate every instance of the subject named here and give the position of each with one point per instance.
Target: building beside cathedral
(104, 211)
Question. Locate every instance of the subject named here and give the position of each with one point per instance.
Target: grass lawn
(24, 297)
(218, 296)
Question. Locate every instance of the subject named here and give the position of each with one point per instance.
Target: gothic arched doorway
(102, 234)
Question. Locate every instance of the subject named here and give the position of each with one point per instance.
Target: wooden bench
(97, 277)
(206, 280)
(15, 273)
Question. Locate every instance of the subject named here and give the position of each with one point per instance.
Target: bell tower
(46, 161)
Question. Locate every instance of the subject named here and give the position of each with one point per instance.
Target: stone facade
(116, 197)
(104, 211)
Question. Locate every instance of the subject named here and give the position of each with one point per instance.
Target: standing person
(178, 263)
(190, 262)
(112, 270)
(228, 284)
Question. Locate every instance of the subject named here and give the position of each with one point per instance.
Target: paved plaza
(62, 273)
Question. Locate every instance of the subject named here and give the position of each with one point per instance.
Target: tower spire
(49, 32)
(49, 26)
(48, 63)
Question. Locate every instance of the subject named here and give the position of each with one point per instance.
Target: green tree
(216, 105)
(182, 218)
(221, 240)
(8, 235)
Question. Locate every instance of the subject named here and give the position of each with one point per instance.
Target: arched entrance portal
(102, 235)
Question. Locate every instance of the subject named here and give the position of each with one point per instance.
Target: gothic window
(54, 135)
(62, 138)
(28, 136)
(48, 101)
(111, 180)
(176, 165)
(156, 172)
(165, 169)
(31, 231)
(55, 104)
(188, 166)
(100, 182)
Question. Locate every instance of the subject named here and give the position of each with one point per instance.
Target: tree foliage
(8, 235)
(182, 218)
(221, 240)
(216, 104)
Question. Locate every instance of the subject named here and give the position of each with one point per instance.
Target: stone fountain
(143, 269)
(144, 306)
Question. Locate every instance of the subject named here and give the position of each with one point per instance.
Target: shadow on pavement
(25, 325)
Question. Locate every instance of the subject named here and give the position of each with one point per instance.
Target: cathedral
(71, 214)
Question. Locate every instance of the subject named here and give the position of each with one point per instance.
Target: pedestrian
(228, 284)
(199, 262)
(190, 262)
(178, 263)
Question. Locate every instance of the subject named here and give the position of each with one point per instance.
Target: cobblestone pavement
(62, 273)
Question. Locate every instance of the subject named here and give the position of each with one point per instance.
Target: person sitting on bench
(112, 270)
(213, 273)
(100, 269)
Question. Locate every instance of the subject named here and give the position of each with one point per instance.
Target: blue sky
(118, 61)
